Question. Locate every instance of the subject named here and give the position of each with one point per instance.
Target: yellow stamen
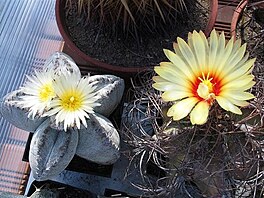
(46, 92)
(71, 101)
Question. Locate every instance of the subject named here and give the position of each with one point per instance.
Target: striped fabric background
(28, 35)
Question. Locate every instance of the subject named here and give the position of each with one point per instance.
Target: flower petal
(173, 95)
(242, 83)
(213, 43)
(200, 113)
(235, 58)
(241, 103)
(198, 48)
(227, 105)
(227, 52)
(238, 95)
(187, 54)
(172, 75)
(168, 86)
(179, 64)
(220, 50)
(228, 70)
(182, 108)
(203, 90)
(239, 72)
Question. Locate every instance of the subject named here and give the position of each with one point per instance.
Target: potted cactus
(67, 114)
(134, 21)
(191, 129)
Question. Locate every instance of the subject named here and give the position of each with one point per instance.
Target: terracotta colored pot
(212, 17)
(84, 60)
(237, 13)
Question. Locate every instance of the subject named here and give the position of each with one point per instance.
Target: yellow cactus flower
(203, 71)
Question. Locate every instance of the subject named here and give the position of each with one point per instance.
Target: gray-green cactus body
(51, 151)
(16, 115)
(60, 62)
(99, 142)
(110, 90)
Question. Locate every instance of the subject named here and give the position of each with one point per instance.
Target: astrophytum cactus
(51, 150)
(66, 112)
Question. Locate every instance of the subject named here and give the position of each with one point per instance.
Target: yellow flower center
(205, 88)
(46, 93)
(71, 101)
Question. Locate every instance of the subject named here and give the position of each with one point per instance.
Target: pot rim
(237, 13)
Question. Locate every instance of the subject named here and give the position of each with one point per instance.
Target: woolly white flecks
(59, 105)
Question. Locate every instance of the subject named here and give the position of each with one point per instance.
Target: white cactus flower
(38, 92)
(75, 99)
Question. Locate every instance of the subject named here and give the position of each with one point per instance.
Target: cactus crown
(130, 15)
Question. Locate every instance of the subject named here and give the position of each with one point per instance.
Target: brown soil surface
(146, 51)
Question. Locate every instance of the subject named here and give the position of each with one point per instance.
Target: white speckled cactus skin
(52, 149)
(110, 89)
(60, 62)
(102, 135)
(16, 115)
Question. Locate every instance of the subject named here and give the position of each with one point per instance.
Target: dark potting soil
(101, 44)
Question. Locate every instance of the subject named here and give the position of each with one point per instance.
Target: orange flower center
(206, 87)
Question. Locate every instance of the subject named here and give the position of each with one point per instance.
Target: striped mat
(28, 35)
